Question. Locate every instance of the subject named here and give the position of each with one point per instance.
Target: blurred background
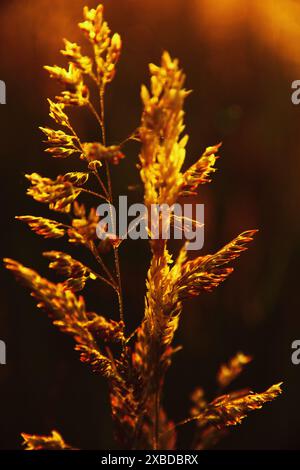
(240, 57)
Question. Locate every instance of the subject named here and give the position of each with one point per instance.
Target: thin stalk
(182, 423)
(92, 248)
(156, 396)
(103, 279)
(101, 184)
(102, 115)
(93, 193)
(132, 136)
(93, 77)
(109, 184)
(81, 149)
(156, 420)
(93, 110)
(75, 134)
(98, 258)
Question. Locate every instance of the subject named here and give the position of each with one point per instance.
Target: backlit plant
(134, 363)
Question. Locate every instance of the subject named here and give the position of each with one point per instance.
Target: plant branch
(98, 258)
(94, 112)
(93, 193)
(116, 251)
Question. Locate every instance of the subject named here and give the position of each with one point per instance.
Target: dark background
(240, 57)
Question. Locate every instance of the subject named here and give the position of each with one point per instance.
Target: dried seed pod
(57, 113)
(84, 227)
(73, 52)
(52, 442)
(77, 273)
(230, 371)
(77, 178)
(76, 93)
(107, 49)
(200, 172)
(45, 227)
(58, 193)
(94, 151)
